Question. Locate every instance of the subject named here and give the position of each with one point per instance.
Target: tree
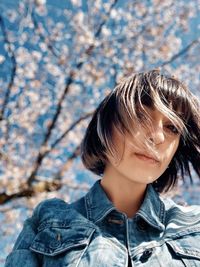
(57, 63)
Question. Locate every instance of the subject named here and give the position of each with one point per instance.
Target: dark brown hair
(125, 104)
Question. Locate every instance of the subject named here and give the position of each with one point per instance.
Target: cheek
(118, 151)
(171, 150)
(136, 142)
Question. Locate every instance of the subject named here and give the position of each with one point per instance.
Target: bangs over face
(124, 109)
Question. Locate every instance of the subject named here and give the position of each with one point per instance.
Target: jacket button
(55, 244)
(142, 225)
(146, 254)
(116, 221)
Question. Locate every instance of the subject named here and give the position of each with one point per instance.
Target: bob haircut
(124, 108)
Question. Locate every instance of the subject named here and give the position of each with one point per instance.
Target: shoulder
(182, 229)
(56, 209)
(172, 207)
(49, 208)
(181, 219)
(45, 211)
(54, 227)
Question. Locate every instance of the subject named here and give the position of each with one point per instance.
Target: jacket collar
(152, 209)
(98, 206)
(97, 203)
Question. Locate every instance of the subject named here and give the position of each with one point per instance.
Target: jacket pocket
(57, 238)
(187, 248)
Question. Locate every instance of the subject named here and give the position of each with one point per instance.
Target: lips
(146, 157)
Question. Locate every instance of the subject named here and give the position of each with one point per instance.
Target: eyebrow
(152, 108)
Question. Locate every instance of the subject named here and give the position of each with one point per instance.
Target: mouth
(147, 158)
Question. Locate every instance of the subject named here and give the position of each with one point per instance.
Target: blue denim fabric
(91, 232)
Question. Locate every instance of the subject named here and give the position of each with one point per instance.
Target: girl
(143, 137)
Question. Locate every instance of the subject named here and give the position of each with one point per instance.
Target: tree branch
(70, 80)
(45, 151)
(68, 163)
(180, 53)
(13, 71)
(41, 186)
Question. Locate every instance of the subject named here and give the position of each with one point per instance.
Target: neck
(126, 195)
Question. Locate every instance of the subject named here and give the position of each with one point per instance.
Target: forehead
(154, 113)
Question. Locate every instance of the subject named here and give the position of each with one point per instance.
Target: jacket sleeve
(21, 256)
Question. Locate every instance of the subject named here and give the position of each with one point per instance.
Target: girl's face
(137, 164)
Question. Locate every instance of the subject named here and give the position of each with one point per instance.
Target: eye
(172, 129)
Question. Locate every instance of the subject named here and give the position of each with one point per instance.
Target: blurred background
(58, 60)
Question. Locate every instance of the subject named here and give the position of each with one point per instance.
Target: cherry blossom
(57, 64)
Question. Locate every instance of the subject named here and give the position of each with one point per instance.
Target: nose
(157, 136)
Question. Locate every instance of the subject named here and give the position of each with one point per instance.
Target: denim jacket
(91, 232)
